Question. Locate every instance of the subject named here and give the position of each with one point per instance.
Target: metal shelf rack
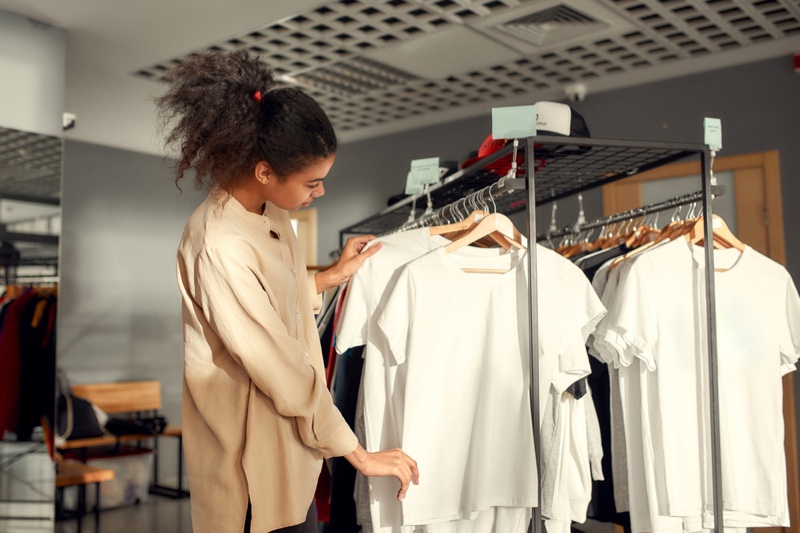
(564, 166)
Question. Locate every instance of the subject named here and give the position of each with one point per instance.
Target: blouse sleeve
(316, 297)
(250, 329)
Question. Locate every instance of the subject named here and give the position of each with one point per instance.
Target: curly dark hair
(223, 130)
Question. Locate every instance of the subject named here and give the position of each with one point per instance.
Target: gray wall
(119, 309)
(33, 60)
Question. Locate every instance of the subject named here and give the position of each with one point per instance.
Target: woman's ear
(263, 172)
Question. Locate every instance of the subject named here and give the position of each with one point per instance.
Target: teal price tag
(423, 172)
(713, 132)
(514, 122)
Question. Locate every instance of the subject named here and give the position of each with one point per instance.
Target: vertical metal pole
(533, 312)
(711, 322)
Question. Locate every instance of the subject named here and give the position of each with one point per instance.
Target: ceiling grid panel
(337, 52)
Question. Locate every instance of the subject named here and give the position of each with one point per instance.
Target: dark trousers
(309, 526)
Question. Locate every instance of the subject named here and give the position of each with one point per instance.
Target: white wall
(32, 75)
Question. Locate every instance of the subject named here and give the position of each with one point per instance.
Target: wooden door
(759, 222)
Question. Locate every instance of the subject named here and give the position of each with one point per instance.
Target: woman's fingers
(414, 470)
(407, 472)
(387, 463)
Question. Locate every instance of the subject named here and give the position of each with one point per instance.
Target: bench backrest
(125, 397)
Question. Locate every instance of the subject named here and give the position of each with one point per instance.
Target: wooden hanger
(457, 229)
(494, 224)
(461, 225)
(723, 237)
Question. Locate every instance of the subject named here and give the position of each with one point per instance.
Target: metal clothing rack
(565, 166)
(645, 210)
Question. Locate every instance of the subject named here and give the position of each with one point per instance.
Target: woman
(257, 415)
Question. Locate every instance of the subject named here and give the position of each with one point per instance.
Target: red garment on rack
(9, 362)
(322, 496)
(329, 371)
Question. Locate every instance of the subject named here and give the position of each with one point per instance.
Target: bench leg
(161, 490)
(155, 462)
(97, 507)
(81, 510)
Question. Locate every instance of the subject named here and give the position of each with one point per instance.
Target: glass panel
(30, 224)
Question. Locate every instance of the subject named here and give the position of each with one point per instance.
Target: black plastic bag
(124, 426)
(76, 418)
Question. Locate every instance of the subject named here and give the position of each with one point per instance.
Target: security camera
(68, 121)
(575, 92)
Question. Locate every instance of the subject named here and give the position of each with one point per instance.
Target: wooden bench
(74, 474)
(142, 398)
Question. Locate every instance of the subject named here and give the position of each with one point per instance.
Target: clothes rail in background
(672, 203)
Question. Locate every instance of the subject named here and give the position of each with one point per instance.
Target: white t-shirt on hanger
(366, 294)
(464, 340)
(661, 319)
(640, 483)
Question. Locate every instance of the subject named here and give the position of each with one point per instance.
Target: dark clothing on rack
(37, 366)
(343, 476)
(602, 506)
(578, 389)
(591, 264)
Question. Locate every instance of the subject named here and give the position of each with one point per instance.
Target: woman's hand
(348, 264)
(387, 463)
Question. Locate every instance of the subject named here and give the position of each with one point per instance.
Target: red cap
(501, 167)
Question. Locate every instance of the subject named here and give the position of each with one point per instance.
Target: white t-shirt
(572, 483)
(355, 328)
(625, 371)
(463, 338)
(661, 321)
(366, 294)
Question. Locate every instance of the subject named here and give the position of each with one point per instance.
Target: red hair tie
(257, 96)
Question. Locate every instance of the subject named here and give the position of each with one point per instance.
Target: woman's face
(301, 188)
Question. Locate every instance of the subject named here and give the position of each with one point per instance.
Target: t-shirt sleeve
(356, 311)
(250, 328)
(582, 314)
(396, 318)
(573, 364)
(633, 328)
(790, 339)
(585, 309)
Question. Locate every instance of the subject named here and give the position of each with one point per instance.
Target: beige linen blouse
(257, 414)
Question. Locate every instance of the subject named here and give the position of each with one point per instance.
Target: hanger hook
(491, 197)
(553, 227)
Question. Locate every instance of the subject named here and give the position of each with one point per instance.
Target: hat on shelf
(552, 118)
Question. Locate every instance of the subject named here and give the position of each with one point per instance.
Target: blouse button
(305, 354)
(298, 316)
